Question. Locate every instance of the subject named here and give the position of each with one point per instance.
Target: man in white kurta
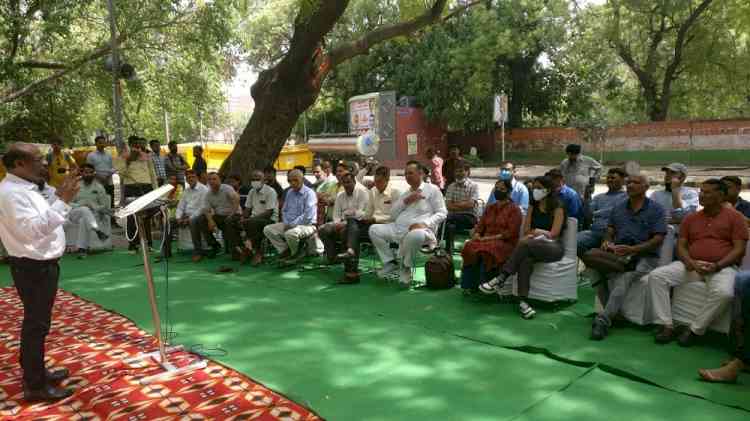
(416, 214)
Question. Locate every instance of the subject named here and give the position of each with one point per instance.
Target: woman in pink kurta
(495, 236)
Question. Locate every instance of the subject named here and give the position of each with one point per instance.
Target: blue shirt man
(601, 207)
(633, 228)
(519, 195)
(570, 199)
(300, 207)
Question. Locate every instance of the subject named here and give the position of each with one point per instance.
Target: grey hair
(645, 179)
(294, 173)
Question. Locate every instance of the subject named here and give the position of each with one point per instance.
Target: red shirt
(710, 238)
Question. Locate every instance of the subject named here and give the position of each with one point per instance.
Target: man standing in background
(102, 162)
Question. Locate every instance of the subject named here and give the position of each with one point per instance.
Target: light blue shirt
(519, 196)
(102, 162)
(601, 208)
(689, 197)
(300, 207)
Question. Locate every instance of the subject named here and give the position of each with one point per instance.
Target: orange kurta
(505, 219)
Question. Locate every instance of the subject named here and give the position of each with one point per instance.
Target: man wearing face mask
(461, 198)
(262, 208)
(519, 193)
(677, 200)
(90, 206)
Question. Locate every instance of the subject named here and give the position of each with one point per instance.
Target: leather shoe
(687, 338)
(664, 336)
(58, 375)
(48, 393)
(599, 328)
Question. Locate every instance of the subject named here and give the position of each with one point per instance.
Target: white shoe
(388, 269)
(404, 277)
(493, 286)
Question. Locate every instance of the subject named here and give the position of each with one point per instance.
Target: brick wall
(698, 135)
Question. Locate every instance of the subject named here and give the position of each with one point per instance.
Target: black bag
(439, 271)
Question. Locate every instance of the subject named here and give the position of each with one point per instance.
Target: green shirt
(93, 196)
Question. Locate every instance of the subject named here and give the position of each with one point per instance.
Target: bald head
(24, 160)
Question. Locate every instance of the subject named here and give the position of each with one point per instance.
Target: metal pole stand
(160, 355)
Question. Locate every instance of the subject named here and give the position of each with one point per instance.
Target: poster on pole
(363, 114)
(411, 144)
(500, 109)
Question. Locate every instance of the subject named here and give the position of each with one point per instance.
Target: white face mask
(539, 194)
(256, 184)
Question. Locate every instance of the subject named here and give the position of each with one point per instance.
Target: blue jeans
(588, 240)
(741, 314)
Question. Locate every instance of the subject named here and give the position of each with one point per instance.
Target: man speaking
(32, 231)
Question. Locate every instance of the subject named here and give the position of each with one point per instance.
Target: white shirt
(380, 203)
(49, 193)
(354, 206)
(191, 202)
(29, 226)
(260, 201)
(430, 211)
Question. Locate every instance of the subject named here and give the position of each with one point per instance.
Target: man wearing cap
(519, 195)
(677, 200)
(580, 171)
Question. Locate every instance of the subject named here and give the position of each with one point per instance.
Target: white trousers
(86, 223)
(290, 239)
(382, 235)
(720, 293)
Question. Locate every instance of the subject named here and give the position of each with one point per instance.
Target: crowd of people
(619, 236)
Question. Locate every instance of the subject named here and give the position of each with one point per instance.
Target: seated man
(570, 199)
(601, 206)
(220, 205)
(173, 200)
(635, 232)
(349, 214)
(734, 188)
(382, 196)
(191, 201)
(262, 209)
(416, 214)
(677, 200)
(298, 218)
(90, 205)
(711, 244)
(519, 194)
(461, 198)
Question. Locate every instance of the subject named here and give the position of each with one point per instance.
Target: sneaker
(527, 312)
(404, 277)
(599, 328)
(387, 270)
(494, 285)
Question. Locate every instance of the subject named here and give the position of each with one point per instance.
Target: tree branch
(35, 64)
(26, 90)
(362, 45)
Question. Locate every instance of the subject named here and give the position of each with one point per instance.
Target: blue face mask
(505, 175)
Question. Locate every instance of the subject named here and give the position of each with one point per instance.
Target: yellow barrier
(216, 153)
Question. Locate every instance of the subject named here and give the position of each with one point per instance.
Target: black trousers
(254, 230)
(455, 222)
(229, 226)
(350, 237)
(136, 190)
(36, 283)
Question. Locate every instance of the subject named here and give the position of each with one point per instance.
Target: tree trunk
(279, 103)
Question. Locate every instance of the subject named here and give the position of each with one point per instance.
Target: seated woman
(730, 370)
(541, 242)
(495, 236)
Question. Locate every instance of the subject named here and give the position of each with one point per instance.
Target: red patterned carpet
(95, 344)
